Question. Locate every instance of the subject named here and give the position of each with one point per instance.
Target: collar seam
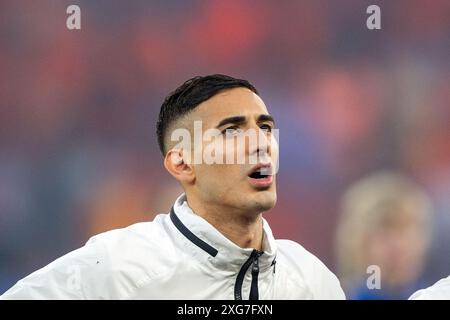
(191, 236)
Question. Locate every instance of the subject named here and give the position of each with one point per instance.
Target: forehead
(230, 103)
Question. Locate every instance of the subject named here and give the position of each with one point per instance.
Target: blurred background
(359, 111)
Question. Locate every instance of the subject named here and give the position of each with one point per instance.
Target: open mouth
(261, 176)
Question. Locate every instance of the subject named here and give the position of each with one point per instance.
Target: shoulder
(320, 280)
(301, 258)
(111, 265)
(136, 254)
(133, 240)
(439, 291)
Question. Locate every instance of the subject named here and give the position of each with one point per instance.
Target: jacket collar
(223, 253)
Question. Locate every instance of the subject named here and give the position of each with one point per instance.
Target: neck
(244, 230)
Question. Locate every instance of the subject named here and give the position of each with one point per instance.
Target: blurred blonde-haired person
(383, 232)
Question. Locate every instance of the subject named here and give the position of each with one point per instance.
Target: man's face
(240, 185)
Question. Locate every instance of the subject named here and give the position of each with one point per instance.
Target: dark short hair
(189, 95)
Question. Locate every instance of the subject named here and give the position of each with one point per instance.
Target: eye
(266, 127)
(231, 130)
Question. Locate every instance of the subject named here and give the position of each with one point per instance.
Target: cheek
(219, 151)
(274, 147)
(233, 151)
(218, 174)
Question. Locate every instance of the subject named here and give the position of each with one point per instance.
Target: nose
(266, 149)
(262, 145)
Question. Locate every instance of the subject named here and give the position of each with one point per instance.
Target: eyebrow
(266, 117)
(242, 119)
(232, 120)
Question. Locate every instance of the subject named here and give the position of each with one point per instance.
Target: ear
(178, 167)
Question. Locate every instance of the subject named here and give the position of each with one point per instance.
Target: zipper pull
(254, 294)
(274, 262)
(255, 267)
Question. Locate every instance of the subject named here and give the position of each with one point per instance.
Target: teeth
(258, 175)
(261, 173)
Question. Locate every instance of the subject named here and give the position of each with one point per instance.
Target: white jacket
(180, 256)
(438, 291)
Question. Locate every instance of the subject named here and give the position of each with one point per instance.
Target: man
(214, 243)
(438, 291)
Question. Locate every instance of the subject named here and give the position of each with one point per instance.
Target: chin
(263, 200)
